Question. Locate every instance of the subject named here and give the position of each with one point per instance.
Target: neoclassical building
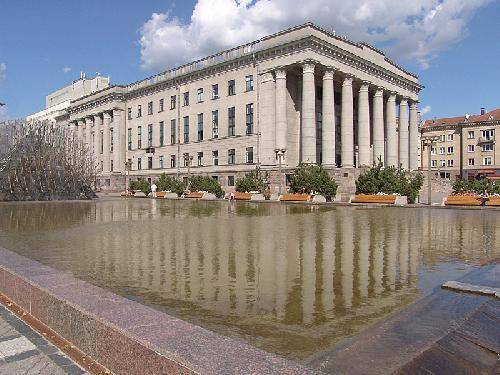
(302, 95)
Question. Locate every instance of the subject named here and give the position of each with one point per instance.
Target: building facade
(466, 146)
(303, 95)
(57, 102)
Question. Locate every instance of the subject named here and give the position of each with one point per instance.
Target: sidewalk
(24, 351)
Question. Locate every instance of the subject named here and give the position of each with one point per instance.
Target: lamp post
(429, 142)
(128, 167)
(188, 159)
(280, 154)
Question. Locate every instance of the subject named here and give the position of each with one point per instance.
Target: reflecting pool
(290, 279)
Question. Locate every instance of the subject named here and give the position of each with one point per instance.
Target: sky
(452, 45)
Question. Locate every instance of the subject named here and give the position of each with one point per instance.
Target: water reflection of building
(305, 278)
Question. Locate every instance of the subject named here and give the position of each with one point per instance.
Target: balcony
(482, 140)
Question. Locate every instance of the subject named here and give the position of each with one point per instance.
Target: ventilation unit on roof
(483, 110)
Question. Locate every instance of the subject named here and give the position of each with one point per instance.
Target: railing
(486, 139)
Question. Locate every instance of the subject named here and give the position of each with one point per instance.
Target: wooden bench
(238, 196)
(463, 200)
(295, 198)
(493, 201)
(374, 198)
(194, 195)
(161, 194)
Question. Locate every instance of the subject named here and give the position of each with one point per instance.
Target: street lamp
(280, 154)
(429, 142)
(128, 168)
(187, 160)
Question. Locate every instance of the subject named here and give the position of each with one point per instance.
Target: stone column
(88, 133)
(363, 126)
(378, 126)
(267, 117)
(106, 157)
(403, 133)
(120, 141)
(392, 136)
(79, 130)
(97, 139)
(308, 114)
(413, 135)
(280, 109)
(328, 113)
(347, 124)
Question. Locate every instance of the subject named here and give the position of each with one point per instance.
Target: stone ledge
(123, 335)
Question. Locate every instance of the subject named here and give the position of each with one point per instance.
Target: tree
(476, 187)
(389, 180)
(42, 161)
(252, 181)
(313, 178)
(206, 183)
(168, 183)
(140, 184)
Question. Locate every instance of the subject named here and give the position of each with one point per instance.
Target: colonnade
(387, 121)
(106, 127)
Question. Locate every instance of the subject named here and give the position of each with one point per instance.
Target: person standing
(153, 190)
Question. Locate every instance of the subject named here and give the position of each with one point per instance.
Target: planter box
(194, 195)
(493, 201)
(379, 199)
(295, 197)
(237, 196)
(161, 194)
(461, 200)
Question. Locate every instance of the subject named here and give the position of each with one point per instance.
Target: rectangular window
(230, 180)
(471, 161)
(231, 87)
(470, 148)
(450, 150)
(139, 164)
(215, 124)
(487, 161)
(442, 138)
(200, 126)
(442, 150)
(199, 95)
(139, 111)
(162, 134)
(150, 162)
(249, 118)
(172, 131)
(129, 113)
(488, 147)
(215, 91)
(139, 137)
(488, 134)
(150, 135)
(215, 157)
(172, 161)
(186, 129)
(249, 155)
(249, 83)
(443, 163)
(111, 140)
(200, 159)
(434, 163)
(450, 137)
(231, 121)
(433, 150)
(160, 161)
(185, 96)
(470, 135)
(150, 108)
(129, 138)
(160, 106)
(173, 99)
(450, 163)
(231, 156)
(101, 142)
(111, 165)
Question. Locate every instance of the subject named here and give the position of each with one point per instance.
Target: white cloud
(410, 30)
(3, 69)
(425, 110)
(66, 69)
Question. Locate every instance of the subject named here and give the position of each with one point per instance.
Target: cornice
(475, 124)
(95, 103)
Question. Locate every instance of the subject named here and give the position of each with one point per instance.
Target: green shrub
(389, 180)
(252, 181)
(308, 178)
(206, 183)
(169, 183)
(476, 186)
(140, 184)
